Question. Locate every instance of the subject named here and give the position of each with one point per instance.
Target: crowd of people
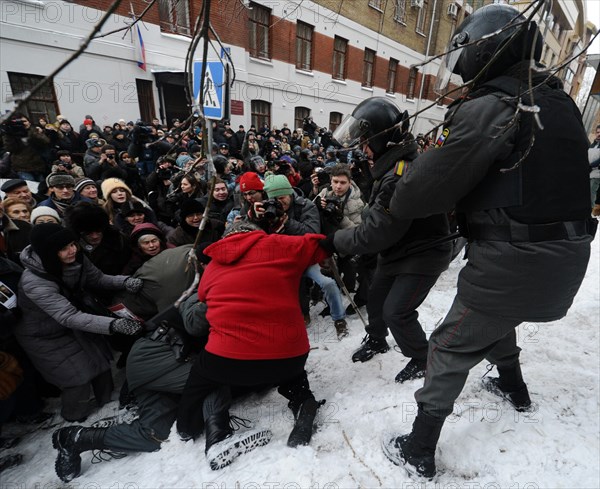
(96, 262)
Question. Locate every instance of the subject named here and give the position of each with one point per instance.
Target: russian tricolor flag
(140, 49)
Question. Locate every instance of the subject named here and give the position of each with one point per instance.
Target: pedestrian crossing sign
(212, 100)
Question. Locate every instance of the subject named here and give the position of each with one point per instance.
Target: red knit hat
(88, 122)
(250, 181)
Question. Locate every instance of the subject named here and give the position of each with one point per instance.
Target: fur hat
(110, 184)
(86, 217)
(55, 179)
(190, 206)
(250, 181)
(132, 206)
(47, 240)
(44, 211)
(94, 143)
(277, 186)
(82, 182)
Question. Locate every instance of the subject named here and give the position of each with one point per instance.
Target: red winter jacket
(251, 290)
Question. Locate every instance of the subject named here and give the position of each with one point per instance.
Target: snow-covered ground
(484, 444)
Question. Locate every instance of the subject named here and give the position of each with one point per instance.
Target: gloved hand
(129, 327)
(133, 285)
(327, 244)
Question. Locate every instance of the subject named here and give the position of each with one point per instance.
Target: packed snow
(484, 444)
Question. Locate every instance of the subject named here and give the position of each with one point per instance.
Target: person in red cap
(251, 190)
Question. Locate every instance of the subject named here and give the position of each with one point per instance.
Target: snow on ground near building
(484, 444)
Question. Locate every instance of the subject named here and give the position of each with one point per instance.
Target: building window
(42, 104)
(259, 18)
(377, 4)
(412, 83)
(304, 36)
(340, 47)
(335, 119)
(145, 99)
(391, 79)
(260, 113)
(300, 113)
(368, 68)
(174, 16)
(400, 11)
(421, 18)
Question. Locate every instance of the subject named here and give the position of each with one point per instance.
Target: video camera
(14, 127)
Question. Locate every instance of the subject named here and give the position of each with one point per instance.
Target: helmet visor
(447, 67)
(349, 132)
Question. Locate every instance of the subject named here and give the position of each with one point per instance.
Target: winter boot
(341, 328)
(370, 347)
(510, 386)
(415, 369)
(303, 425)
(70, 442)
(10, 461)
(416, 451)
(223, 446)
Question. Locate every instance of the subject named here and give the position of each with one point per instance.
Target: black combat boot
(70, 442)
(223, 446)
(369, 348)
(303, 426)
(510, 386)
(341, 328)
(415, 369)
(416, 451)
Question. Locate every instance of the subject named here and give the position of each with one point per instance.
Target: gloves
(327, 244)
(133, 285)
(125, 326)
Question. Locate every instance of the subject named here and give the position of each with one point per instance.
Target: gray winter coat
(353, 206)
(66, 345)
(303, 217)
(524, 281)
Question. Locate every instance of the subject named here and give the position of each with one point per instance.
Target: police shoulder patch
(442, 139)
(399, 169)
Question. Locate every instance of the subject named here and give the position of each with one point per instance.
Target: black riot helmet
(470, 60)
(372, 121)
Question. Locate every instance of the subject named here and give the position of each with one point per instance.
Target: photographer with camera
(65, 164)
(110, 166)
(299, 216)
(26, 146)
(158, 184)
(147, 146)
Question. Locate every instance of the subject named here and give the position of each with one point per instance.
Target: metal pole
(426, 56)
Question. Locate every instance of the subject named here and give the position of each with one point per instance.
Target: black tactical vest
(550, 184)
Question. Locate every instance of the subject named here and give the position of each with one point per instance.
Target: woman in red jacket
(257, 336)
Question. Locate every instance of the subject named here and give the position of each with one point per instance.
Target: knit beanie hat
(250, 181)
(43, 211)
(182, 160)
(110, 184)
(143, 229)
(47, 240)
(55, 179)
(277, 186)
(190, 206)
(82, 182)
(88, 122)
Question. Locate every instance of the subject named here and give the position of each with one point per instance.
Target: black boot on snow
(369, 348)
(303, 425)
(415, 369)
(70, 442)
(223, 446)
(416, 451)
(519, 398)
(341, 328)
(510, 386)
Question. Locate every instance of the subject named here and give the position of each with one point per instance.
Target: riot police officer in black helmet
(523, 208)
(411, 252)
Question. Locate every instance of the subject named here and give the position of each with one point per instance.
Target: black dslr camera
(273, 209)
(14, 127)
(332, 206)
(323, 176)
